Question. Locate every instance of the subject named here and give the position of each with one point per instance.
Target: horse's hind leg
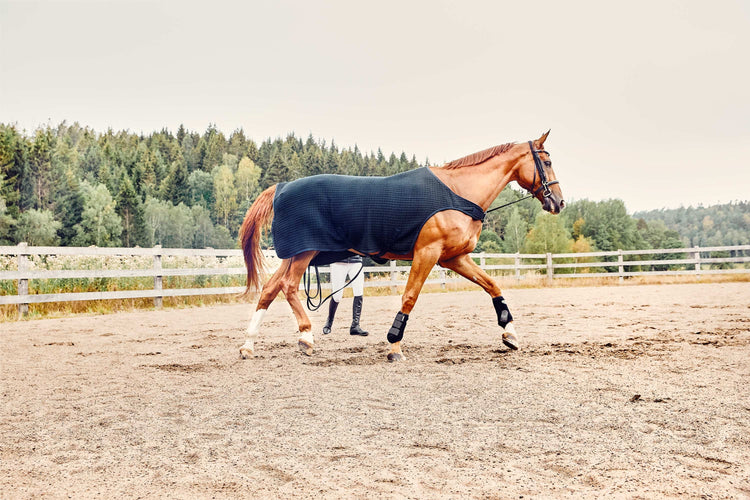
(267, 294)
(290, 287)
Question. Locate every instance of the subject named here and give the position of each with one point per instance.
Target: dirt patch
(634, 391)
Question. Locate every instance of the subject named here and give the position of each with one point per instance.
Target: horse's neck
(479, 183)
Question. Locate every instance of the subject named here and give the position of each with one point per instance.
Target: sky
(647, 100)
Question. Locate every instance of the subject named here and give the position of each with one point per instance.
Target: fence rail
(620, 264)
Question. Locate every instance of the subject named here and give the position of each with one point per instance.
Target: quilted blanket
(373, 215)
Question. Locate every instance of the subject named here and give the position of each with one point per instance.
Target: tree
(100, 224)
(201, 187)
(515, 232)
(222, 238)
(175, 187)
(41, 176)
(69, 208)
(606, 223)
(225, 192)
(489, 242)
(276, 171)
(204, 227)
(156, 214)
(247, 177)
(181, 227)
(13, 168)
(581, 245)
(215, 147)
(38, 227)
(548, 235)
(130, 209)
(7, 224)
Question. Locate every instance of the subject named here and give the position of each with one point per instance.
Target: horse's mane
(479, 157)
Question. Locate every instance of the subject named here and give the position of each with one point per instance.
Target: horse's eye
(547, 163)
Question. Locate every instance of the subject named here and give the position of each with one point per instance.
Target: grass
(63, 309)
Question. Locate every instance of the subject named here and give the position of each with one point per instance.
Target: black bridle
(538, 169)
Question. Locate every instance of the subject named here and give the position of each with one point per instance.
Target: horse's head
(535, 175)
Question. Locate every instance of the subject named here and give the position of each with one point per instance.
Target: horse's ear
(539, 143)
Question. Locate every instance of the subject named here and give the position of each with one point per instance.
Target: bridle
(539, 164)
(538, 169)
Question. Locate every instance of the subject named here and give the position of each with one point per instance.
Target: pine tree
(130, 210)
(175, 187)
(70, 209)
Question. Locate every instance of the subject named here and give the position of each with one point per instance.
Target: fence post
(517, 266)
(550, 269)
(697, 256)
(621, 267)
(23, 283)
(157, 277)
(394, 287)
(443, 280)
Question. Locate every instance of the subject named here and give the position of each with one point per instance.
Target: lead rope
(319, 292)
(511, 203)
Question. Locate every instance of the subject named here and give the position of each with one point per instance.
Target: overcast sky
(647, 100)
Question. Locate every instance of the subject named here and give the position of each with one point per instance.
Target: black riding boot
(331, 313)
(356, 313)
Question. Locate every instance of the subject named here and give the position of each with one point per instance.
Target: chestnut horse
(446, 238)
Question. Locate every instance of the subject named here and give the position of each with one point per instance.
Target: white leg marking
(511, 329)
(307, 338)
(248, 348)
(510, 337)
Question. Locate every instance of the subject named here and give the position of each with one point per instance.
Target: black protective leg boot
(356, 313)
(331, 313)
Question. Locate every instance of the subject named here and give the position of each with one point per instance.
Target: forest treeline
(69, 185)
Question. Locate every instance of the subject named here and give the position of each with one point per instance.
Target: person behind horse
(348, 267)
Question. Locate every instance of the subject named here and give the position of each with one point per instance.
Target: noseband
(539, 168)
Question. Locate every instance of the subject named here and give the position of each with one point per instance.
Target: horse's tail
(258, 216)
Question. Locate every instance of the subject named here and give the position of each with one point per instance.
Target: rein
(538, 168)
(319, 292)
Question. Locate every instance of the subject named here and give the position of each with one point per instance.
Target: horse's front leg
(466, 267)
(424, 260)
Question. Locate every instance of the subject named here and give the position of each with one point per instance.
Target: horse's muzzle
(552, 205)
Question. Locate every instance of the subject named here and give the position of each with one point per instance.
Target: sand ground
(625, 391)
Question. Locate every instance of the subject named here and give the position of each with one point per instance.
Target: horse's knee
(407, 302)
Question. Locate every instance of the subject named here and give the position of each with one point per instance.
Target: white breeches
(340, 272)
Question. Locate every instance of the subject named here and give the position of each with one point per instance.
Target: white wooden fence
(621, 264)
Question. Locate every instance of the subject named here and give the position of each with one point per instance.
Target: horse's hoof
(306, 342)
(510, 337)
(396, 356)
(247, 350)
(306, 348)
(510, 341)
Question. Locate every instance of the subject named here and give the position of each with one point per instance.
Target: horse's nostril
(562, 204)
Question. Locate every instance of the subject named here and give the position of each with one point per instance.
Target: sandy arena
(626, 391)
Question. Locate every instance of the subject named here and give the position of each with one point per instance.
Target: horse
(446, 234)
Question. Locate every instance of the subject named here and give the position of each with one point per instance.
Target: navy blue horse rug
(372, 215)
